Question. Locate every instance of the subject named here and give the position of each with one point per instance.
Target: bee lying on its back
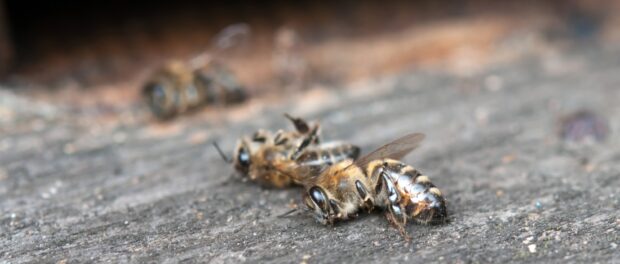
(271, 159)
(376, 180)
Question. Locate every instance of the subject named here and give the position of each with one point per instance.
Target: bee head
(160, 97)
(325, 210)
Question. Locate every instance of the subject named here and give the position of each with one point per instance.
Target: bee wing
(226, 39)
(231, 36)
(396, 149)
(305, 175)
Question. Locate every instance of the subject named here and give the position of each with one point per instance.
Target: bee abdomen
(219, 85)
(401, 174)
(426, 203)
(418, 196)
(344, 151)
(321, 156)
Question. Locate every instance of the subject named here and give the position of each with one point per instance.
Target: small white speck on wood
(532, 248)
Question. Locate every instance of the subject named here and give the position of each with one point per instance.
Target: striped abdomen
(413, 195)
(317, 157)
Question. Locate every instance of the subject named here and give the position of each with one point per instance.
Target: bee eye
(243, 158)
(318, 196)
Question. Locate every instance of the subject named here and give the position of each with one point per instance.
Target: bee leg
(260, 136)
(315, 132)
(402, 230)
(331, 221)
(300, 125)
(367, 201)
(370, 206)
(398, 220)
(306, 142)
(279, 138)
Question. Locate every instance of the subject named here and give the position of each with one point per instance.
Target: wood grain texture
(516, 192)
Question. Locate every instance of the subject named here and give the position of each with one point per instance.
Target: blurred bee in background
(380, 180)
(179, 86)
(271, 159)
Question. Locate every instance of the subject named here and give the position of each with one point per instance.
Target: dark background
(101, 41)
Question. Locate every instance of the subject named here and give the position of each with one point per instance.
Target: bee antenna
(219, 150)
(288, 213)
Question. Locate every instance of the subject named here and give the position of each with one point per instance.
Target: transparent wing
(231, 36)
(303, 175)
(306, 175)
(396, 149)
(226, 39)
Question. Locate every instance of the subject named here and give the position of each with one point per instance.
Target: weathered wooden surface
(74, 191)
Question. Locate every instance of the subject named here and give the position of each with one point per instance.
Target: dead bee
(376, 180)
(271, 159)
(182, 86)
(179, 87)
